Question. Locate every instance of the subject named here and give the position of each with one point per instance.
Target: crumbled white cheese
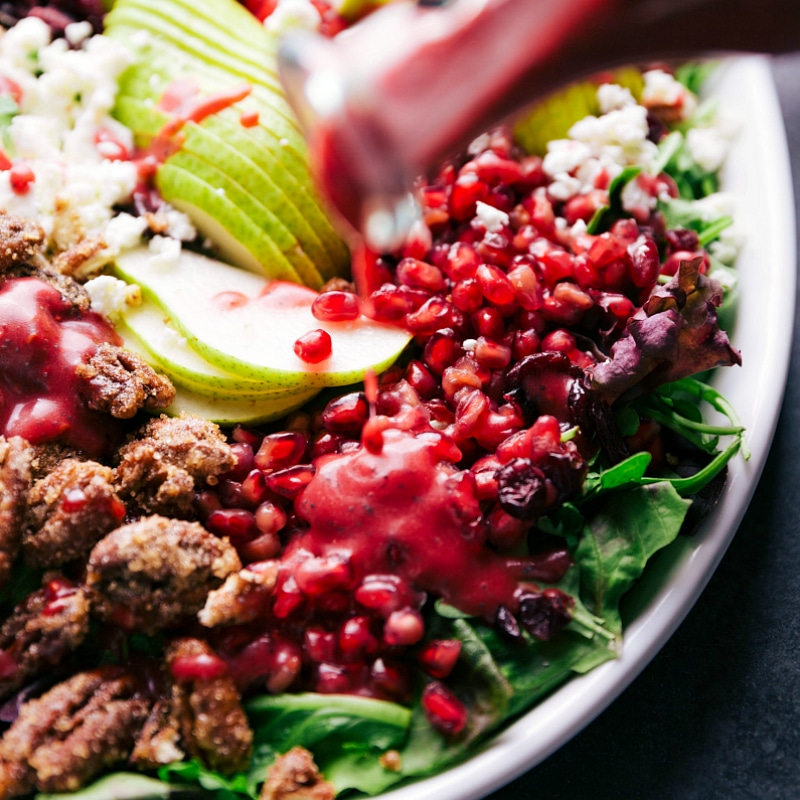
(611, 97)
(179, 225)
(707, 147)
(564, 156)
(111, 296)
(67, 97)
(637, 201)
(663, 90)
(493, 219)
(124, 231)
(564, 187)
(77, 32)
(165, 252)
(292, 15)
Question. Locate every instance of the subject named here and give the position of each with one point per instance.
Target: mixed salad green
(625, 513)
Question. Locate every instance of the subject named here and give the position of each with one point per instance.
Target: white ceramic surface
(757, 173)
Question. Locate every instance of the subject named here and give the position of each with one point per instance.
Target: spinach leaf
(127, 786)
(618, 541)
(347, 735)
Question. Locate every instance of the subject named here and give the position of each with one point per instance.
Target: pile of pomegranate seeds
(428, 483)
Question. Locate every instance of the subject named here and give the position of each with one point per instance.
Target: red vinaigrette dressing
(407, 511)
(43, 338)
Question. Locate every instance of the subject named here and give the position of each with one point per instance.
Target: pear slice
(218, 44)
(146, 329)
(246, 325)
(226, 411)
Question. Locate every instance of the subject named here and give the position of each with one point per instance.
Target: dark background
(716, 715)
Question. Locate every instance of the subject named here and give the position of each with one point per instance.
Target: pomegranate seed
(560, 341)
(336, 306)
(316, 576)
(314, 346)
(441, 350)
(434, 314)
(356, 638)
(419, 239)
(470, 409)
(244, 436)
(389, 304)
(466, 295)
(545, 436)
(287, 661)
(443, 709)
(391, 678)
(205, 503)
(494, 284)
(325, 443)
(332, 679)
(254, 488)
(527, 291)
(319, 644)
(456, 378)
(237, 524)
(489, 322)
(21, 177)
(465, 194)
(243, 453)
(439, 657)
(290, 482)
(493, 169)
(270, 518)
(74, 500)
(572, 295)
(346, 414)
(380, 593)
(200, 667)
(420, 275)
(491, 354)
(421, 379)
(280, 450)
(526, 343)
(263, 547)
(461, 261)
(288, 599)
(249, 119)
(484, 473)
(404, 627)
(505, 531)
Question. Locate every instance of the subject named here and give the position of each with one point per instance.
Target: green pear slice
(226, 411)
(218, 44)
(147, 330)
(243, 324)
(280, 245)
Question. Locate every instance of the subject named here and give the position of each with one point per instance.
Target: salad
(395, 498)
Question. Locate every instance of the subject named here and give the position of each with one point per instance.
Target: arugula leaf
(618, 541)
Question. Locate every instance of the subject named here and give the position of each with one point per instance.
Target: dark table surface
(716, 715)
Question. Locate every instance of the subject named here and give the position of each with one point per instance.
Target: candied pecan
(241, 598)
(20, 240)
(48, 455)
(69, 511)
(50, 623)
(213, 725)
(159, 742)
(15, 480)
(119, 382)
(159, 470)
(65, 737)
(82, 260)
(150, 573)
(294, 776)
(70, 290)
